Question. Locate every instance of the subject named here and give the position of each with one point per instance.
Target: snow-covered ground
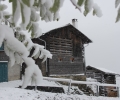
(9, 92)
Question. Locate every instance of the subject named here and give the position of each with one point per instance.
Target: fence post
(35, 87)
(69, 87)
(118, 92)
(97, 89)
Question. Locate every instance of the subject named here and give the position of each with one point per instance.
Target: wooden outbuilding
(66, 43)
(103, 75)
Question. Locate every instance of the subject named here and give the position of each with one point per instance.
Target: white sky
(104, 32)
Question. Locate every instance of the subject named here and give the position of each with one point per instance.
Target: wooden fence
(70, 81)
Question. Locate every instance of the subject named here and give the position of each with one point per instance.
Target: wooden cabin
(7, 73)
(66, 43)
(103, 75)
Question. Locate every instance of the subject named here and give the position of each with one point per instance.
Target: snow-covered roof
(105, 70)
(59, 27)
(87, 40)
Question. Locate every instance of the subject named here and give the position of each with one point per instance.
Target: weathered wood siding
(103, 77)
(100, 76)
(109, 78)
(66, 47)
(90, 72)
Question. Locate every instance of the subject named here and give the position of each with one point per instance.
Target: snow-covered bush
(29, 12)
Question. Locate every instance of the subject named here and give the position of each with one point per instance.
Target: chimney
(75, 23)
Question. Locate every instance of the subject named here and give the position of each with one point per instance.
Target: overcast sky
(104, 32)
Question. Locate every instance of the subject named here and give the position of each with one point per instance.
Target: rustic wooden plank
(64, 63)
(65, 69)
(60, 43)
(56, 39)
(60, 46)
(64, 51)
(63, 54)
(60, 51)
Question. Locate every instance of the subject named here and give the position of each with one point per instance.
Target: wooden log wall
(103, 78)
(109, 79)
(60, 46)
(66, 48)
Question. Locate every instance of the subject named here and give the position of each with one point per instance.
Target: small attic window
(59, 59)
(71, 59)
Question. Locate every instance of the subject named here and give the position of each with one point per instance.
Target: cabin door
(3, 71)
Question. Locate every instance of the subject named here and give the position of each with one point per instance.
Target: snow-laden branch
(39, 49)
(18, 53)
(89, 5)
(75, 4)
(32, 72)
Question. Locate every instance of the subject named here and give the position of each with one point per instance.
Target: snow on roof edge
(57, 28)
(68, 25)
(105, 70)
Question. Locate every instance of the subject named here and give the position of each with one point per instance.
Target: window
(60, 59)
(71, 59)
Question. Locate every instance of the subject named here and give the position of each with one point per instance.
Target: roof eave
(85, 42)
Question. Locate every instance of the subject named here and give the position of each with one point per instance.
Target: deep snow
(9, 92)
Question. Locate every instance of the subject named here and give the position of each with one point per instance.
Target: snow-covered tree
(17, 37)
